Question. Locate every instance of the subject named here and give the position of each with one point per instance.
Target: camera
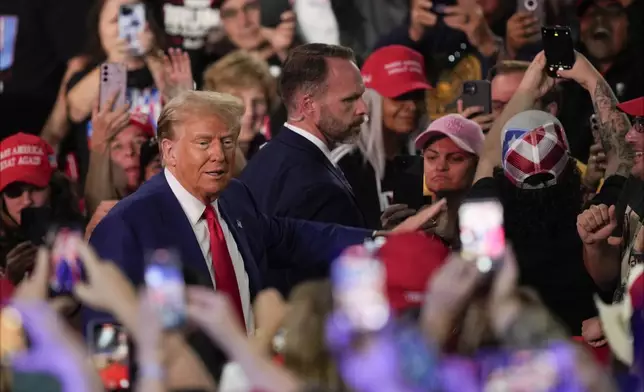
(531, 5)
(125, 11)
(469, 88)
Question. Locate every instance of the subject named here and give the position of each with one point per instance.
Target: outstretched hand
(417, 222)
(177, 73)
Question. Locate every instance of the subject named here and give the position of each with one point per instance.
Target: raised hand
(421, 18)
(475, 113)
(106, 122)
(281, 37)
(177, 73)
(522, 29)
(596, 224)
(535, 80)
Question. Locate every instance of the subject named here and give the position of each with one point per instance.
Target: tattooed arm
(613, 126)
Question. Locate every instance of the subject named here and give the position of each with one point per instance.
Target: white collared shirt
(194, 209)
(317, 142)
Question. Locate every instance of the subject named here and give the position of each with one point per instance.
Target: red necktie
(222, 264)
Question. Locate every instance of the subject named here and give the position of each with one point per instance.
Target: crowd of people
(296, 195)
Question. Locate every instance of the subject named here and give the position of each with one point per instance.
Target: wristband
(151, 371)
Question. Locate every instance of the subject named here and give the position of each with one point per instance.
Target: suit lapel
(291, 138)
(178, 230)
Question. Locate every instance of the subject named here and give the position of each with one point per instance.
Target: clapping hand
(177, 73)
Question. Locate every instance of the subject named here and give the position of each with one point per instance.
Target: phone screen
(131, 22)
(166, 285)
(66, 267)
(558, 47)
(34, 223)
(111, 355)
(482, 233)
(359, 289)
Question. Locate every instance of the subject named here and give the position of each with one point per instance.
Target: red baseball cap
(395, 70)
(634, 107)
(142, 121)
(410, 259)
(26, 158)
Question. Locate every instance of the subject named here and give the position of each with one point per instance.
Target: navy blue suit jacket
(152, 218)
(290, 177)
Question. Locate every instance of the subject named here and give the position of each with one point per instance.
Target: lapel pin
(239, 224)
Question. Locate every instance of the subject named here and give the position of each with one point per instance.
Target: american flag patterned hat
(534, 142)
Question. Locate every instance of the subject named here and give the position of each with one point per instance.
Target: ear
(168, 153)
(553, 108)
(309, 106)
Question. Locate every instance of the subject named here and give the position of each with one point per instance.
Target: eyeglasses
(17, 189)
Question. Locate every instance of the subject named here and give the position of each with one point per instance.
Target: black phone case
(482, 96)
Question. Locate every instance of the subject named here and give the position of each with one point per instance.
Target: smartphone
(113, 81)
(65, 261)
(477, 93)
(558, 47)
(166, 286)
(131, 21)
(272, 11)
(439, 6)
(536, 7)
(13, 338)
(358, 281)
(482, 233)
(110, 353)
(35, 223)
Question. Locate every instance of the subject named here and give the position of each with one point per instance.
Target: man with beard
(540, 188)
(605, 41)
(293, 176)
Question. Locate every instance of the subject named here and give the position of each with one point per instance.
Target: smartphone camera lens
(104, 80)
(469, 88)
(125, 11)
(530, 5)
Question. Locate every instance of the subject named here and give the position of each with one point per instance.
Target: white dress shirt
(194, 209)
(317, 142)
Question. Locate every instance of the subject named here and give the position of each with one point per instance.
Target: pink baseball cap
(465, 133)
(395, 70)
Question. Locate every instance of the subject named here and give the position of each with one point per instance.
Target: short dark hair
(306, 69)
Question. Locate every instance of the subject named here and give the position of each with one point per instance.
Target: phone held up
(66, 268)
(477, 93)
(113, 82)
(166, 287)
(110, 352)
(131, 22)
(358, 280)
(482, 233)
(559, 48)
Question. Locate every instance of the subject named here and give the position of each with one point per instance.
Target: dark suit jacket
(152, 218)
(291, 177)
